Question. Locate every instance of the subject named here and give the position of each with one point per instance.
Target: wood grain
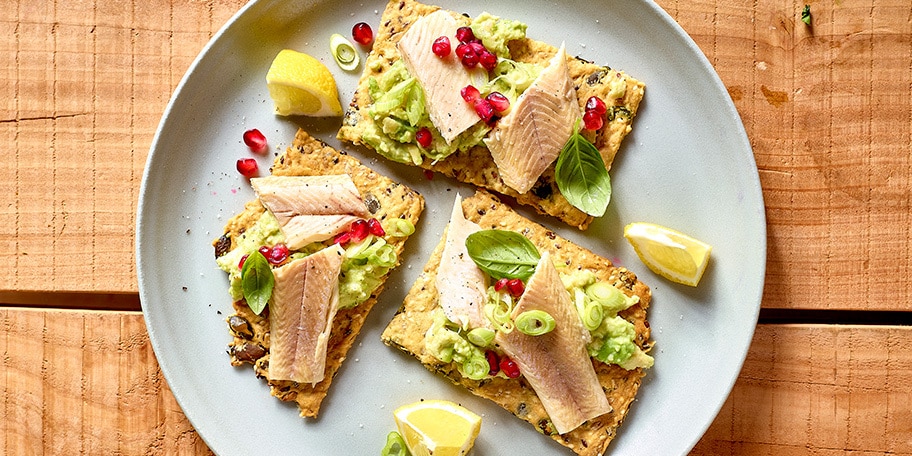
(83, 87)
(88, 383)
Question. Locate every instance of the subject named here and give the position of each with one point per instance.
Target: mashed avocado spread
(363, 268)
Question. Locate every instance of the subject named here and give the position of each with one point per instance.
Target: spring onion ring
(344, 52)
(476, 367)
(400, 228)
(481, 337)
(395, 445)
(535, 322)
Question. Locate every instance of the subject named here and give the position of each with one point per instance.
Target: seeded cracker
(475, 166)
(413, 319)
(385, 199)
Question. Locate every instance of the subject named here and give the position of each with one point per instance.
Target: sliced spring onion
(535, 322)
(385, 256)
(476, 367)
(498, 314)
(344, 52)
(612, 299)
(400, 227)
(481, 337)
(590, 311)
(395, 445)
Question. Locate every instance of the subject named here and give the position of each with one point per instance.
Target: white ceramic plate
(687, 165)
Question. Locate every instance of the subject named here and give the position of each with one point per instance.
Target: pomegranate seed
(509, 367)
(461, 50)
(247, 167)
(278, 254)
(343, 238)
(428, 174)
(484, 109)
(465, 34)
(516, 287)
(241, 263)
(477, 47)
(596, 104)
(470, 93)
(375, 227)
(491, 356)
(592, 120)
(498, 101)
(500, 284)
(359, 230)
(424, 137)
(487, 60)
(470, 59)
(441, 47)
(255, 141)
(265, 251)
(362, 33)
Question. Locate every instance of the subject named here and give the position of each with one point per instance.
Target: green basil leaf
(503, 254)
(582, 177)
(257, 281)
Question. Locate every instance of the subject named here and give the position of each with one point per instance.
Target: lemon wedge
(300, 85)
(437, 427)
(669, 253)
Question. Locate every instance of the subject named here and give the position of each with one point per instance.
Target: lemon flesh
(669, 253)
(437, 427)
(300, 85)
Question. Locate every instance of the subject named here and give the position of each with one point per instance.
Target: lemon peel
(301, 85)
(669, 253)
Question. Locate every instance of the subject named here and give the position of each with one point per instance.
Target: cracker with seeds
(475, 165)
(386, 200)
(413, 320)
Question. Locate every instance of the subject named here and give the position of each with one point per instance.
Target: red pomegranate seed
(265, 250)
(592, 120)
(498, 101)
(484, 109)
(464, 34)
(487, 60)
(441, 47)
(477, 47)
(362, 33)
(375, 227)
(500, 284)
(247, 167)
(343, 238)
(470, 93)
(424, 137)
(493, 361)
(255, 141)
(509, 367)
(241, 263)
(596, 104)
(278, 254)
(359, 230)
(428, 174)
(461, 50)
(468, 57)
(516, 287)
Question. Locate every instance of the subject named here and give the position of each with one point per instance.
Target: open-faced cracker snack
(475, 165)
(394, 205)
(421, 308)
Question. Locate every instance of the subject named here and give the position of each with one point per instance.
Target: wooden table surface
(828, 109)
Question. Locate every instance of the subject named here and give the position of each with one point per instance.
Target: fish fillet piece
(303, 304)
(310, 208)
(440, 78)
(461, 285)
(556, 365)
(530, 137)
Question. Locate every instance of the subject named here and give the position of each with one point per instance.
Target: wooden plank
(85, 383)
(804, 390)
(84, 86)
(828, 109)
